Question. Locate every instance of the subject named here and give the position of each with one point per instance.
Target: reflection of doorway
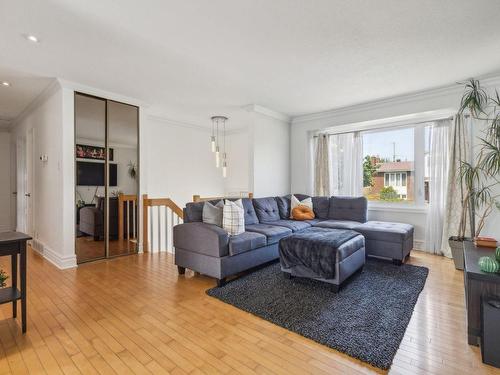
(25, 182)
(6, 212)
(107, 178)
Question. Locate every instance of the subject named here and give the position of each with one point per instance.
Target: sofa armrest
(202, 238)
(91, 215)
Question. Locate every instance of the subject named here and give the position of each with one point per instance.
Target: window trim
(381, 124)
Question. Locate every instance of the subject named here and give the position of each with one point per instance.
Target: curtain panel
(438, 165)
(338, 164)
(322, 165)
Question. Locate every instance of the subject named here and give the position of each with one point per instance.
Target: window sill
(401, 207)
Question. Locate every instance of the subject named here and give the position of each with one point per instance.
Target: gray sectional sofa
(208, 249)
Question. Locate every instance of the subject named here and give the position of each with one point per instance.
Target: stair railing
(160, 215)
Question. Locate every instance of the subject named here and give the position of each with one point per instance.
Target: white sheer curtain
(322, 165)
(439, 165)
(346, 160)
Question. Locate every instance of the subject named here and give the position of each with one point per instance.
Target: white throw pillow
(294, 202)
(233, 217)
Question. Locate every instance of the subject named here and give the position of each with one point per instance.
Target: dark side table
(478, 285)
(14, 244)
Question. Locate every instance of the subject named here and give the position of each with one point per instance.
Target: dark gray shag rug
(367, 319)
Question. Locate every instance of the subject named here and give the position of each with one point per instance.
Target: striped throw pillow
(233, 217)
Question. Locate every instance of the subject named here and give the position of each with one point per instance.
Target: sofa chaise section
(387, 240)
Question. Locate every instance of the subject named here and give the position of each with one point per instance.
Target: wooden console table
(14, 244)
(478, 284)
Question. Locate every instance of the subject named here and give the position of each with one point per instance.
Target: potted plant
(3, 278)
(132, 170)
(479, 176)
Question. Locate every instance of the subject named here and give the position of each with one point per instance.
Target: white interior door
(5, 188)
(21, 183)
(25, 183)
(30, 201)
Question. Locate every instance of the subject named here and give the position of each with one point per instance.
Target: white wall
(270, 156)
(238, 146)
(52, 200)
(5, 186)
(432, 100)
(177, 162)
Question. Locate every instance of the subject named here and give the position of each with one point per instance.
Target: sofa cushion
(294, 225)
(246, 241)
(273, 232)
(193, 212)
(348, 208)
(284, 206)
(250, 215)
(321, 206)
(266, 209)
(314, 221)
(385, 231)
(212, 214)
(338, 224)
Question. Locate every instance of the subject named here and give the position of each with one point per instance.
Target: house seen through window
(390, 162)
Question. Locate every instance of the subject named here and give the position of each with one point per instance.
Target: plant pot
(457, 251)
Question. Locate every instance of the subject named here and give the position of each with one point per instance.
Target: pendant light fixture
(212, 138)
(217, 122)
(224, 156)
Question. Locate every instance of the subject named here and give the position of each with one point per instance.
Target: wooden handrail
(167, 202)
(156, 202)
(198, 198)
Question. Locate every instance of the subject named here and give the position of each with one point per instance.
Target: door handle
(27, 194)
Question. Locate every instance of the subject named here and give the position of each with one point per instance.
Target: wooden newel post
(145, 239)
(120, 216)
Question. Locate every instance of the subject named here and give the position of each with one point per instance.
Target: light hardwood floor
(136, 315)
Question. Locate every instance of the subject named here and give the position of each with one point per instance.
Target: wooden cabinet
(478, 284)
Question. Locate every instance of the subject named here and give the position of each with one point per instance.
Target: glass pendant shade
(219, 123)
(217, 157)
(212, 141)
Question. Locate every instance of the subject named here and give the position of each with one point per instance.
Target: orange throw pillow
(302, 212)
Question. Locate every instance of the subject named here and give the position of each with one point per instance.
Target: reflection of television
(92, 174)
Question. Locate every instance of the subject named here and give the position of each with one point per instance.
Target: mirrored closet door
(107, 178)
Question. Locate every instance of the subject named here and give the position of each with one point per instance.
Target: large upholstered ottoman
(387, 240)
(329, 255)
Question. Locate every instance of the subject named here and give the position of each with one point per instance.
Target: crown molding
(267, 112)
(188, 125)
(75, 86)
(35, 103)
(5, 124)
(487, 81)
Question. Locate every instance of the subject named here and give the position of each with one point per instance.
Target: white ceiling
(194, 58)
(23, 90)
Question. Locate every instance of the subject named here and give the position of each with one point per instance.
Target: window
(395, 164)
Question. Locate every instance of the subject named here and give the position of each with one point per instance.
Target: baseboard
(418, 245)
(61, 262)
